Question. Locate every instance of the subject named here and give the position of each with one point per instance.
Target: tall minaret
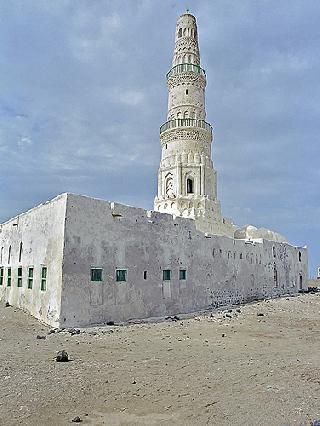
(187, 181)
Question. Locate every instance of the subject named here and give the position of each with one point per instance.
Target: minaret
(187, 181)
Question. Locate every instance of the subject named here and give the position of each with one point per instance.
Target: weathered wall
(220, 270)
(41, 232)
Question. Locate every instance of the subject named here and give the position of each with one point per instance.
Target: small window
(240, 256)
(182, 274)
(275, 275)
(187, 92)
(274, 251)
(180, 32)
(20, 252)
(30, 278)
(121, 275)
(96, 274)
(1, 276)
(19, 282)
(299, 256)
(9, 256)
(166, 274)
(300, 282)
(189, 186)
(43, 278)
(9, 278)
(145, 273)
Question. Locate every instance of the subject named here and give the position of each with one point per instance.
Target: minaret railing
(181, 68)
(185, 122)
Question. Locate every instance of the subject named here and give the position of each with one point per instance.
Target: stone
(110, 323)
(76, 419)
(7, 305)
(62, 356)
(260, 314)
(41, 337)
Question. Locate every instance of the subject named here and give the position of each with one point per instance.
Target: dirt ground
(223, 368)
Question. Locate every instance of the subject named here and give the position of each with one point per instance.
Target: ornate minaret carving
(187, 181)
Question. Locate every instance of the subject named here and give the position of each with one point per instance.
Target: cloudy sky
(83, 93)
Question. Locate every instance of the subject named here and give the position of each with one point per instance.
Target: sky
(83, 94)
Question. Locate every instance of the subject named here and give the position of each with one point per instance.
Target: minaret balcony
(185, 122)
(186, 68)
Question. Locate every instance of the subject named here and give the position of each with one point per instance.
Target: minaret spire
(187, 181)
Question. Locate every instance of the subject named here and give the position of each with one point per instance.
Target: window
(300, 282)
(121, 275)
(30, 278)
(182, 274)
(43, 278)
(96, 274)
(9, 278)
(145, 275)
(189, 186)
(20, 252)
(9, 255)
(187, 91)
(180, 32)
(1, 276)
(166, 274)
(299, 256)
(19, 282)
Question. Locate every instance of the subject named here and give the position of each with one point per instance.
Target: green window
(30, 277)
(1, 276)
(166, 274)
(43, 278)
(96, 274)
(121, 275)
(19, 277)
(9, 278)
(182, 274)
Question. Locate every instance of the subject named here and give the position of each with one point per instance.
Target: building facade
(77, 261)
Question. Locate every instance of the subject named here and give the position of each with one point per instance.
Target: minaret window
(180, 32)
(187, 91)
(189, 186)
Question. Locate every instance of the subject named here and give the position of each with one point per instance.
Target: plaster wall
(219, 270)
(39, 232)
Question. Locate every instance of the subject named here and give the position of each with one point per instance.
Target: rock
(52, 331)
(73, 331)
(228, 316)
(238, 310)
(134, 382)
(7, 305)
(260, 314)
(223, 335)
(62, 356)
(41, 337)
(76, 419)
(110, 323)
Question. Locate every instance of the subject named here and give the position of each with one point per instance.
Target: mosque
(78, 261)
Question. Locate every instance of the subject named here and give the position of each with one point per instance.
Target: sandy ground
(208, 370)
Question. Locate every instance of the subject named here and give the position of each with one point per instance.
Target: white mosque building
(76, 261)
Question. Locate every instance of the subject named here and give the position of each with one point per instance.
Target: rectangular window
(1, 276)
(9, 278)
(166, 274)
(30, 278)
(182, 274)
(19, 282)
(121, 275)
(96, 274)
(144, 275)
(43, 278)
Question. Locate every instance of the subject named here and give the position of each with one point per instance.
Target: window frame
(182, 274)
(93, 271)
(119, 277)
(19, 277)
(9, 276)
(30, 277)
(44, 276)
(165, 274)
